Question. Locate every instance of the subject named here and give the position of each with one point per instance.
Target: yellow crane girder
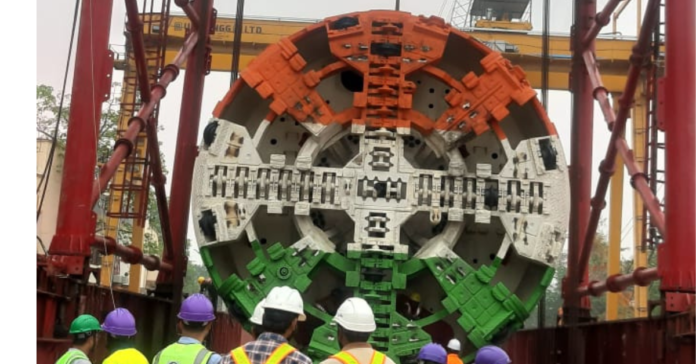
(525, 48)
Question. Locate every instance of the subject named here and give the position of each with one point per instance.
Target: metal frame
(676, 258)
(75, 232)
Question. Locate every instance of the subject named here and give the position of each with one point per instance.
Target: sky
(54, 21)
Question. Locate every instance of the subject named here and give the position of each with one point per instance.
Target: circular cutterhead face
(379, 154)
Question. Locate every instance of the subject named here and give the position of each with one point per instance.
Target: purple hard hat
(120, 322)
(197, 308)
(491, 355)
(433, 352)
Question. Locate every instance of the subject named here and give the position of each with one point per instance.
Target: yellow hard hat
(201, 280)
(415, 296)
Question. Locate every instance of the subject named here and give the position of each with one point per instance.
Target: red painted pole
(129, 254)
(580, 157)
(600, 21)
(135, 28)
(91, 82)
(124, 146)
(676, 256)
(159, 182)
(619, 282)
(606, 168)
(187, 148)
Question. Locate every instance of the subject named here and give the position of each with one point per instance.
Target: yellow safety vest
(348, 358)
(277, 356)
(126, 356)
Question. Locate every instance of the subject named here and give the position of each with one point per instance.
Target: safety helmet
(433, 352)
(201, 280)
(355, 314)
(257, 317)
(454, 344)
(415, 297)
(285, 299)
(491, 355)
(196, 308)
(84, 324)
(120, 322)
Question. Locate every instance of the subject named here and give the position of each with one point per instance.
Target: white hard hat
(356, 315)
(257, 317)
(454, 344)
(285, 299)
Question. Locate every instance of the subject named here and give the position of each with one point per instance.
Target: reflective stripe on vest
(70, 356)
(183, 354)
(348, 358)
(277, 356)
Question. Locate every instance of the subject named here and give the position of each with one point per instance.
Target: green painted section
(485, 310)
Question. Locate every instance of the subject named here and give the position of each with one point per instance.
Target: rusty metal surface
(226, 334)
(645, 341)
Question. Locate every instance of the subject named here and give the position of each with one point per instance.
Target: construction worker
(282, 310)
(491, 355)
(195, 320)
(432, 354)
(453, 349)
(120, 327)
(83, 329)
(257, 320)
(356, 322)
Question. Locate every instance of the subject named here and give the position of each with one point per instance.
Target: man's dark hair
(81, 339)
(427, 362)
(354, 336)
(277, 321)
(196, 327)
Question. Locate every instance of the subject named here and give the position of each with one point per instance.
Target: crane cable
(49, 162)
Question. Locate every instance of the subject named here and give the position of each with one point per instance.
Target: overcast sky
(54, 21)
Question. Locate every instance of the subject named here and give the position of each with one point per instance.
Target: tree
(193, 271)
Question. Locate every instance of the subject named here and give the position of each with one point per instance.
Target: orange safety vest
(277, 356)
(348, 358)
(454, 359)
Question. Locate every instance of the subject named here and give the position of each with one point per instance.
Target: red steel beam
(124, 145)
(599, 92)
(129, 254)
(187, 148)
(135, 28)
(158, 181)
(606, 167)
(580, 169)
(91, 82)
(619, 282)
(186, 6)
(639, 181)
(600, 21)
(676, 256)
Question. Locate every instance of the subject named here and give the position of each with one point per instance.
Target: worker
(491, 355)
(195, 320)
(432, 354)
(282, 310)
(120, 327)
(257, 320)
(83, 330)
(356, 322)
(453, 349)
(414, 306)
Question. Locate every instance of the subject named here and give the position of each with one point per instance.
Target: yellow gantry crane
(506, 36)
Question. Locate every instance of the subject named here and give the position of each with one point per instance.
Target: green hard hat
(84, 324)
